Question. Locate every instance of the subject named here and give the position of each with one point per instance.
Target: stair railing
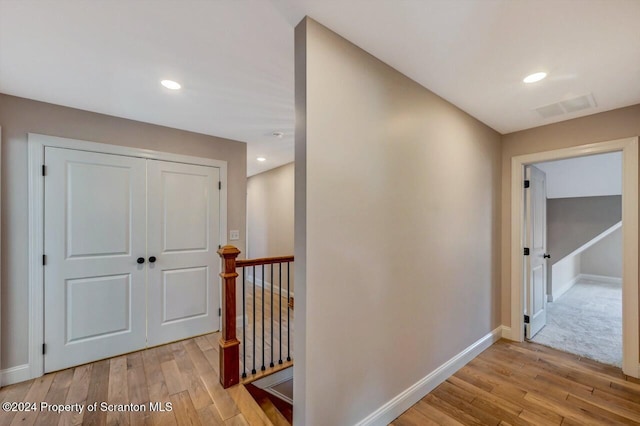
(259, 320)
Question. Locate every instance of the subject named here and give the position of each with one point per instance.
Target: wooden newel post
(229, 344)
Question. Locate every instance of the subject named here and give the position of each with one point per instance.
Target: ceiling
(590, 176)
(234, 58)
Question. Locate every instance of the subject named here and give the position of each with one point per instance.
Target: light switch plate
(234, 235)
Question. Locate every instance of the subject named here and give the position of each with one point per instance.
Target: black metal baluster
(288, 317)
(253, 371)
(263, 367)
(271, 363)
(280, 308)
(244, 333)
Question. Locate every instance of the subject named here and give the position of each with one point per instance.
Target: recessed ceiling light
(261, 159)
(535, 77)
(170, 84)
(278, 134)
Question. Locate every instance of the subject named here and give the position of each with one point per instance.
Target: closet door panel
(95, 221)
(183, 234)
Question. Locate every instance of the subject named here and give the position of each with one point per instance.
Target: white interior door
(536, 241)
(183, 234)
(94, 232)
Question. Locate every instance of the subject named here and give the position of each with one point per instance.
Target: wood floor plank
(528, 384)
(137, 388)
(237, 420)
(36, 394)
(249, 407)
(98, 392)
(209, 416)
(13, 393)
(191, 378)
(118, 390)
(172, 377)
(77, 394)
(179, 373)
(56, 395)
(225, 405)
(157, 389)
(184, 410)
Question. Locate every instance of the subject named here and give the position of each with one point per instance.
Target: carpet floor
(586, 321)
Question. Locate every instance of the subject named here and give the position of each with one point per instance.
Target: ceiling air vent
(567, 106)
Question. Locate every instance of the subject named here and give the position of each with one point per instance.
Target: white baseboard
(267, 286)
(17, 374)
(399, 404)
(601, 278)
(557, 293)
(506, 332)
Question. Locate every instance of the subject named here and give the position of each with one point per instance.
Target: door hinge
(219, 185)
(219, 246)
(526, 251)
(44, 259)
(527, 183)
(44, 170)
(526, 319)
(44, 349)
(219, 312)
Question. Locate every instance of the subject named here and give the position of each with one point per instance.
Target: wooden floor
(529, 384)
(184, 374)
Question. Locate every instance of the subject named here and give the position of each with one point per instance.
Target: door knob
(152, 259)
(140, 260)
(546, 256)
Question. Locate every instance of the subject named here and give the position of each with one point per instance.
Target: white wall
(565, 274)
(397, 258)
(605, 257)
(591, 176)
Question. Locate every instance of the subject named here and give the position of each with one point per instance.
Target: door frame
(36, 149)
(630, 315)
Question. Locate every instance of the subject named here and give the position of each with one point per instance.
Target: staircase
(257, 330)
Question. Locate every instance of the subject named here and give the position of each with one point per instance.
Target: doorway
(583, 256)
(629, 149)
(127, 241)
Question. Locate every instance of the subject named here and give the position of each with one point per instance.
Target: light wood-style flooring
(529, 384)
(184, 374)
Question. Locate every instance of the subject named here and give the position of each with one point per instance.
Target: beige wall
(616, 124)
(270, 212)
(402, 239)
(270, 223)
(21, 116)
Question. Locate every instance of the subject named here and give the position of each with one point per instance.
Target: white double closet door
(106, 218)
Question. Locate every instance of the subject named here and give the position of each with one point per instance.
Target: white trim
(274, 379)
(36, 147)
(15, 374)
(506, 332)
(279, 395)
(400, 403)
(557, 294)
(629, 148)
(593, 241)
(600, 278)
(267, 286)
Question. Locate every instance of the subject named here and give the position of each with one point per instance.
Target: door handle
(152, 259)
(140, 260)
(546, 256)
